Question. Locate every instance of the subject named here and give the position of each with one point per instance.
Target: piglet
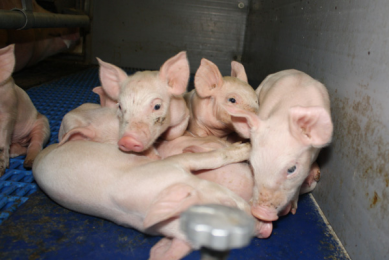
(22, 129)
(150, 103)
(94, 123)
(293, 124)
(131, 190)
(212, 91)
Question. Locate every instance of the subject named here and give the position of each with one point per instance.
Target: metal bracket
(27, 12)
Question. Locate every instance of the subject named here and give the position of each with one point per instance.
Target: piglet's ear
(111, 77)
(7, 62)
(170, 203)
(105, 100)
(237, 71)
(207, 79)
(244, 121)
(175, 71)
(78, 133)
(311, 125)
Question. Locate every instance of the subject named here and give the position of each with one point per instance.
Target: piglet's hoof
(2, 170)
(240, 151)
(28, 163)
(242, 146)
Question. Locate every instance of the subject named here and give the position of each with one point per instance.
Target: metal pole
(18, 19)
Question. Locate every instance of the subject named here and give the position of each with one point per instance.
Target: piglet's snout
(266, 206)
(135, 137)
(263, 229)
(130, 144)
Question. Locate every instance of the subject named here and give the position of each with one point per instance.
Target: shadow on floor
(46, 71)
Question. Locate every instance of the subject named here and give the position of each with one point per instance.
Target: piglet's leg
(39, 135)
(4, 159)
(167, 248)
(6, 128)
(214, 159)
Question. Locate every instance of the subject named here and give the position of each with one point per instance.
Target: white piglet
(293, 123)
(213, 91)
(134, 191)
(95, 123)
(150, 103)
(23, 130)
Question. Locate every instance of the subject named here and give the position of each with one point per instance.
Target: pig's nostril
(128, 144)
(137, 148)
(123, 148)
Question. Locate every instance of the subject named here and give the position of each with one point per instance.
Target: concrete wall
(345, 45)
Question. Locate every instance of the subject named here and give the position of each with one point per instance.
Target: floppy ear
(311, 125)
(175, 71)
(237, 71)
(105, 100)
(7, 62)
(207, 79)
(243, 121)
(170, 203)
(111, 77)
(78, 133)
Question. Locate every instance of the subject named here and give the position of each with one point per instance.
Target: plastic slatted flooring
(34, 227)
(53, 100)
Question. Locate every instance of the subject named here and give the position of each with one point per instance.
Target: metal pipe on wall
(21, 19)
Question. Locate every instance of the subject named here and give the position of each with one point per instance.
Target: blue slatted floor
(34, 227)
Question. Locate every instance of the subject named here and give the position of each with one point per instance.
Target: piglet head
(233, 90)
(143, 99)
(282, 153)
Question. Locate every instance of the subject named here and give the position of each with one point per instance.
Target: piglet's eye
(120, 108)
(292, 169)
(232, 100)
(157, 107)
